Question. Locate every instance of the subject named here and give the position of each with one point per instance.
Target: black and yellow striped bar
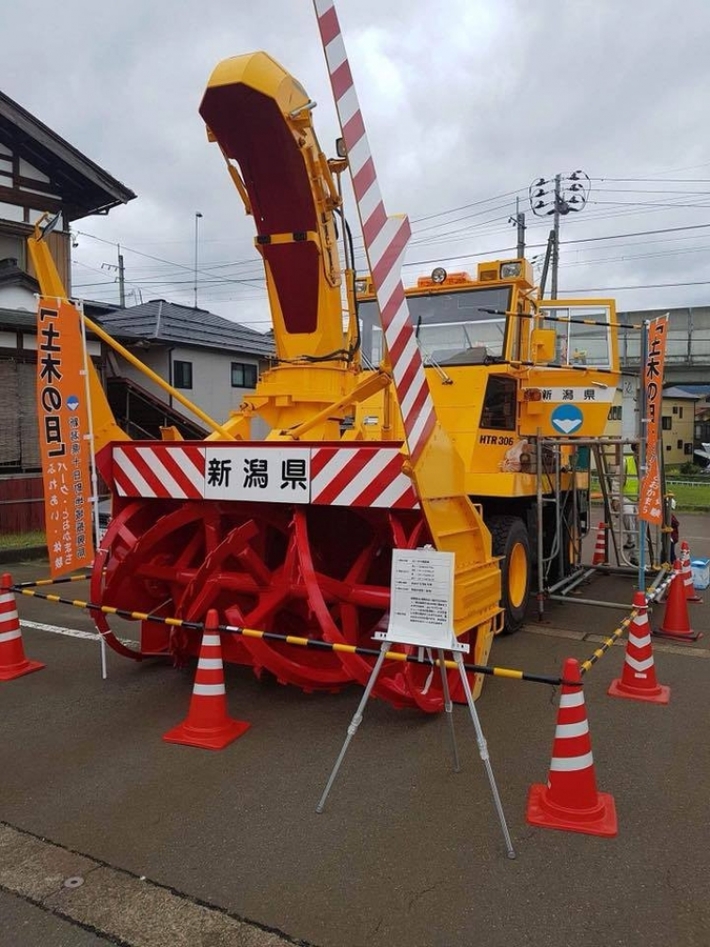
(511, 674)
(615, 635)
(38, 582)
(542, 313)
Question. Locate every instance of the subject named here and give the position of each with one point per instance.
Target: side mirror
(543, 343)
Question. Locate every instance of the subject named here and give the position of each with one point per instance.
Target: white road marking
(58, 630)
(69, 632)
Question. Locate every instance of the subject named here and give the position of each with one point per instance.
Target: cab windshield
(452, 328)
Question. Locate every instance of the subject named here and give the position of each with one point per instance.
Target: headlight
(510, 270)
(360, 286)
(438, 275)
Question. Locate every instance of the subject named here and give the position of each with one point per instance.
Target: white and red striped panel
(356, 476)
(159, 471)
(385, 241)
(368, 476)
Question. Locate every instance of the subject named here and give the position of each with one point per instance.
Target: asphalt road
(173, 845)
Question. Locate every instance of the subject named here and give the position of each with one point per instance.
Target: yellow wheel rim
(517, 575)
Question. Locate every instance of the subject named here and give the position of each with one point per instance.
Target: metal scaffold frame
(566, 549)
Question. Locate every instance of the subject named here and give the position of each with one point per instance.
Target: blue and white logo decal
(72, 402)
(567, 418)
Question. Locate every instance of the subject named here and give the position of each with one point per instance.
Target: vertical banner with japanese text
(650, 500)
(63, 418)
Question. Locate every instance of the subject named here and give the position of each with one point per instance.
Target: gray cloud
(463, 101)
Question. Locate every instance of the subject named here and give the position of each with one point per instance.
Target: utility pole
(197, 218)
(121, 275)
(519, 221)
(546, 263)
(578, 185)
(121, 279)
(556, 240)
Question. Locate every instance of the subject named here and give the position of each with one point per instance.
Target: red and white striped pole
(385, 238)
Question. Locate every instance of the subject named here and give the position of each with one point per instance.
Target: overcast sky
(466, 103)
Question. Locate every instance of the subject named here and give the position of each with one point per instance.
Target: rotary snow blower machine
(385, 430)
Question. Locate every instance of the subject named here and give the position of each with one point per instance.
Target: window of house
(688, 449)
(244, 375)
(666, 423)
(675, 409)
(680, 412)
(679, 444)
(182, 374)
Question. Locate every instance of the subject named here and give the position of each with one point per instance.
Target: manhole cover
(76, 881)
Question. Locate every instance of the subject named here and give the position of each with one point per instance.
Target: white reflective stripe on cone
(210, 664)
(10, 635)
(639, 665)
(640, 642)
(211, 639)
(572, 700)
(566, 764)
(208, 690)
(8, 616)
(566, 730)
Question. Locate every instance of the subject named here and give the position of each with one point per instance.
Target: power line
(639, 256)
(606, 289)
(656, 180)
(627, 190)
(649, 204)
(640, 233)
(158, 259)
(491, 253)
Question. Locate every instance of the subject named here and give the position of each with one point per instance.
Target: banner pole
(79, 306)
(642, 461)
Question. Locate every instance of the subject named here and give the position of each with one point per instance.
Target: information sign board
(421, 607)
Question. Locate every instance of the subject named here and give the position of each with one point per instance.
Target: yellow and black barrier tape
(615, 635)
(511, 674)
(590, 662)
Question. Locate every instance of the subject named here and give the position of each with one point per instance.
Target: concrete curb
(23, 553)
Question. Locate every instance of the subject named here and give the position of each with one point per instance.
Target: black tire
(512, 542)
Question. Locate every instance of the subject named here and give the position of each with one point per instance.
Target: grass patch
(22, 540)
(691, 497)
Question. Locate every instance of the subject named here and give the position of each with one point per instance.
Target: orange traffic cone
(207, 724)
(690, 593)
(13, 662)
(570, 800)
(600, 554)
(676, 623)
(638, 678)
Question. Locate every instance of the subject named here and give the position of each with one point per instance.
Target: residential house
(678, 425)
(40, 173)
(212, 361)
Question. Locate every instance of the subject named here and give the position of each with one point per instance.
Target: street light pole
(197, 218)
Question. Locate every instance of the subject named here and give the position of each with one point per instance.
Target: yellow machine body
(503, 367)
